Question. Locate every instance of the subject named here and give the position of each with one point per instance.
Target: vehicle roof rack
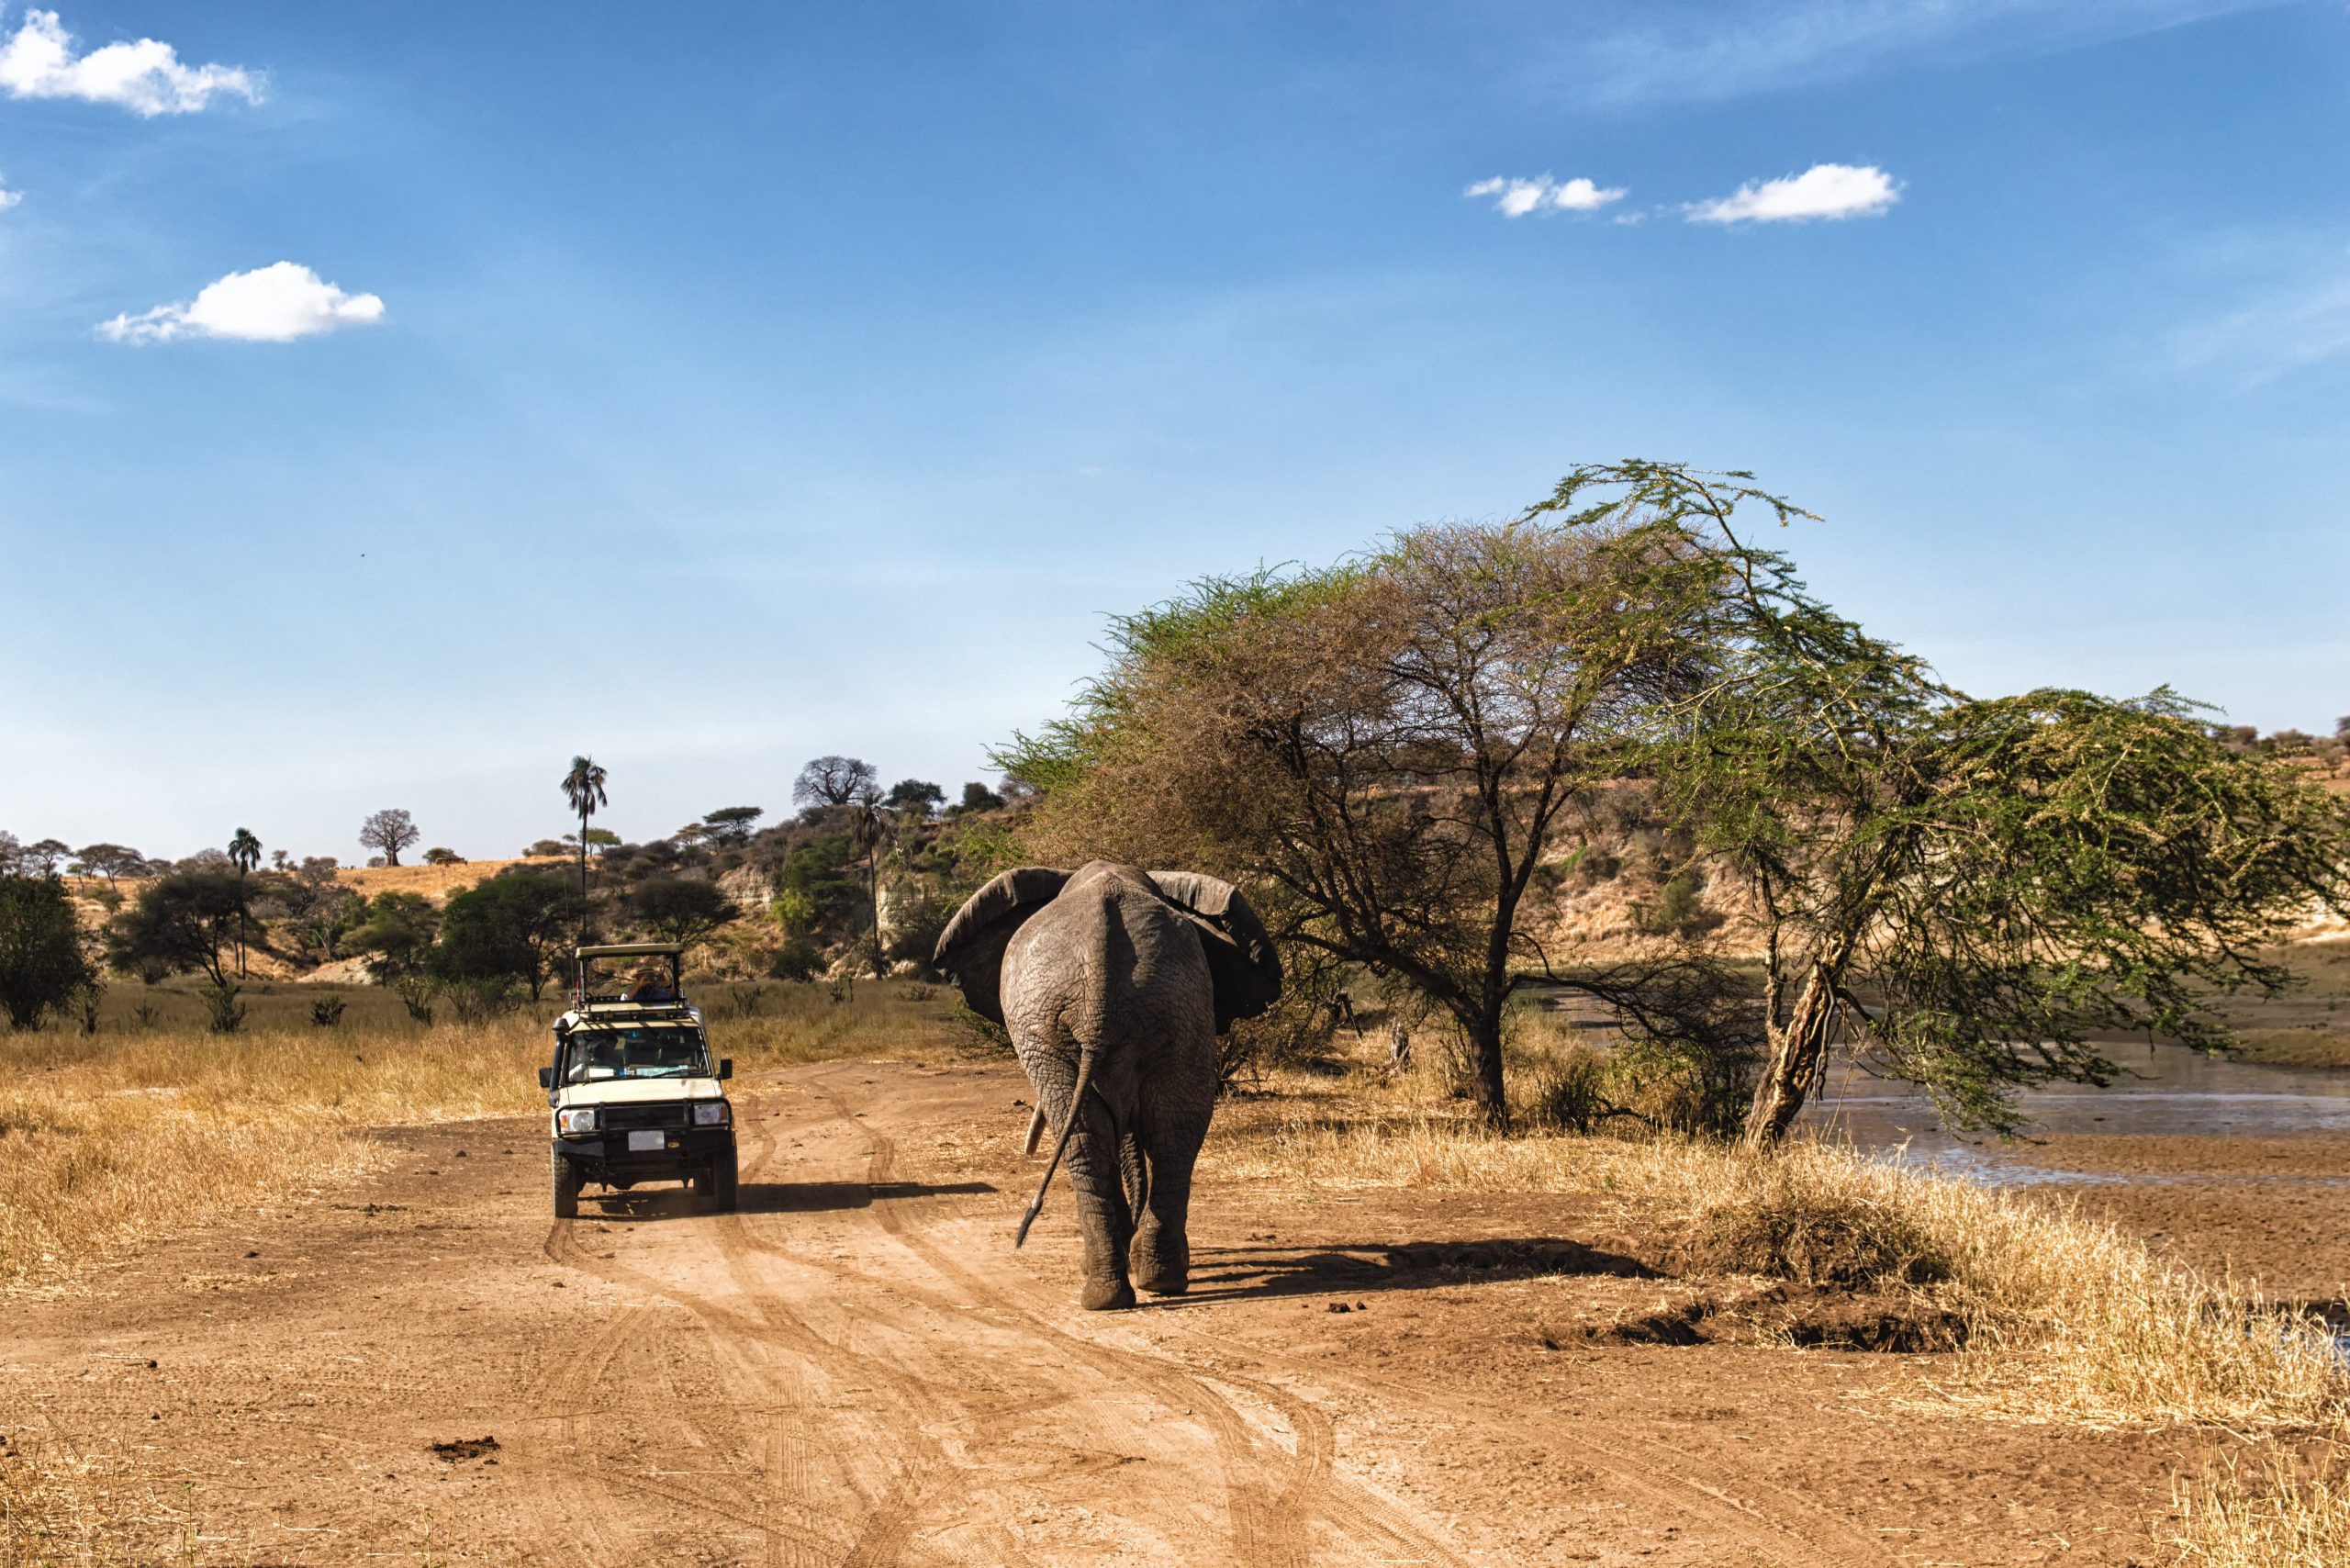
(632, 950)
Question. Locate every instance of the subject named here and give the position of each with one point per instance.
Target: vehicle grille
(621, 1118)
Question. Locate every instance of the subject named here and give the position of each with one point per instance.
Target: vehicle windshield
(673, 1050)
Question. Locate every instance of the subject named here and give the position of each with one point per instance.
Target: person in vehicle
(650, 984)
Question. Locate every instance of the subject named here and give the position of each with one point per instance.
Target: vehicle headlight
(580, 1119)
(711, 1113)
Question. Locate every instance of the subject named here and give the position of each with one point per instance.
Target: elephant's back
(1104, 959)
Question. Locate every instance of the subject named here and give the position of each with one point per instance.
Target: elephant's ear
(1241, 957)
(971, 948)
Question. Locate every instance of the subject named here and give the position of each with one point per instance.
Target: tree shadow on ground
(1231, 1273)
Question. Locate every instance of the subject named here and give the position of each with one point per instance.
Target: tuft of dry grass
(2285, 1510)
(51, 1516)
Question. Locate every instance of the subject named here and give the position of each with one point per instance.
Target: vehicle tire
(722, 1177)
(566, 1188)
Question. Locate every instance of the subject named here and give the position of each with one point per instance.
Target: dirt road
(856, 1369)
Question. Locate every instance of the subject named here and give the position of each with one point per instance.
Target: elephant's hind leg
(1171, 1139)
(1103, 1218)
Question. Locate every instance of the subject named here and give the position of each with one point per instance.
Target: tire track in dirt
(1267, 1528)
(567, 1500)
(745, 1341)
(1724, 1500)
(1669, 1480)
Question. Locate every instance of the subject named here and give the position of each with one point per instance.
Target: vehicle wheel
(723, 1195)
(566, 1188)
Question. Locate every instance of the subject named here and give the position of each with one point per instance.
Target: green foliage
(800, 957)
(730, 827)
(185, 921)
(1679, 908)
(512, 928)
(1969, 889)
(223, 1014)
(44, 957)
(1392, 748)
(679, 909)
(915, 794)
(397, 935)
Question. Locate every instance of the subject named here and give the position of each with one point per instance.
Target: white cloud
(1684, 50)
(1515, 198)
(39, 61)
(9, 198)
(1824, 190)
(2298, 317)
(269, 305)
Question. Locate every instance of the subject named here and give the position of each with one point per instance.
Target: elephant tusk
(1036, 1132)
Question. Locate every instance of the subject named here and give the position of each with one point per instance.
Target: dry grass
(153, 1125)
(2068, 1319)
(109, 1139)
(51, 1516)
(2282, 1510)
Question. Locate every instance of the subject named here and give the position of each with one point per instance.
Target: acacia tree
(1967, 890)
(390, 831)
(1393, 748)
(109, 860)
(680, 909)
(730, 827)
(1401, 752)
(187, 920)
(511, 928)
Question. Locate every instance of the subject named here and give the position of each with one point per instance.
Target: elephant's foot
(1106, 1295)
(1161, 1263)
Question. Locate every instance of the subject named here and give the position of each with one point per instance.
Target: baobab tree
(391, 831)
(835, 781)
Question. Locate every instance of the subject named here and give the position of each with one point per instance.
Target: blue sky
(709, 388)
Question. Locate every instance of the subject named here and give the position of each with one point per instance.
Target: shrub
(44, 959)
(327, 1014)
(223, 1014)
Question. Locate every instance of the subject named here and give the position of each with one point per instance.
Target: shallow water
(2170, 1091)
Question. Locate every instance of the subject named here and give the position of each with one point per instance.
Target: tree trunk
(1486, 1043)
(1798, 1059)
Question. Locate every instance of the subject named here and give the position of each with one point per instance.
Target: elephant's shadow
(1230, 1273)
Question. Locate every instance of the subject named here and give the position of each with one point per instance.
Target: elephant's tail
(1085, 1060)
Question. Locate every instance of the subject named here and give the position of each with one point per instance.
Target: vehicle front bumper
(683, 1151)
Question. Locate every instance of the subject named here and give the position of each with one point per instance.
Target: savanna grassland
(1980, 1318)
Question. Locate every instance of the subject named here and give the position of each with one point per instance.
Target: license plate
(639, 1142)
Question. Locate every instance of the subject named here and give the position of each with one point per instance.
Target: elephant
(1113, 984)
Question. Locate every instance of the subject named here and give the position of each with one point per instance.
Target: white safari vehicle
(635, 1093)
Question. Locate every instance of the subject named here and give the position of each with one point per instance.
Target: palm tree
(866, 829)
(245, 852)
(584, 788)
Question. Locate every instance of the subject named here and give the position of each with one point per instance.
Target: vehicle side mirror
(725, 1066)
(546, 1078)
